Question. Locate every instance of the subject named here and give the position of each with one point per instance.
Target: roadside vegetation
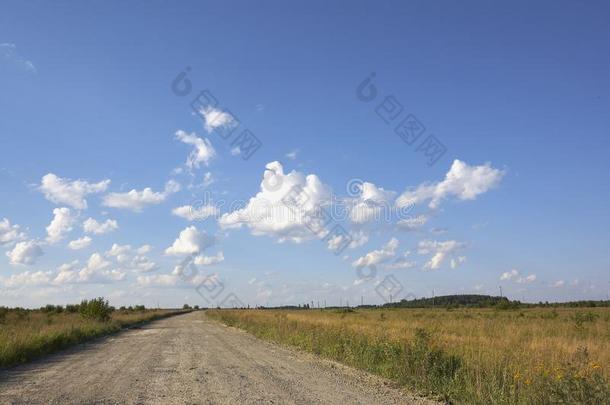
(27, 334)
(502, 355)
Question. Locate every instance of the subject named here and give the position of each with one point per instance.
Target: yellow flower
(517, 375)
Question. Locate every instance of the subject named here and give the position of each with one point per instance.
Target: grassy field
(28, 334)
(530, 356)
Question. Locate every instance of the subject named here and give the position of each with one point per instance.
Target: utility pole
(361, 300)
(324, 303)
(500, 291)
(433, 298)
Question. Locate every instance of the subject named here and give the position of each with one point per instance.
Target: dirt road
(189, 359)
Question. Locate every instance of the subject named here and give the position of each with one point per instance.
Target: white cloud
(28, 279)
(192, 213)
(457, 261)
(515, 275)
(10, 234)
(527, 280)
(462, 181)
(144, 249)
(402, 262)
(371, 205)
(413, 223)
(203, 151)
(215, 118)
(143, 264)
(97, 271)
(559, 284)
(202, 260)
(208, 179)
(440, 251)
(92, 226)
(25, 252)
(70, 192)
(292, 155)
(120, 252)
(190, 241)
(135, 200)
(80, 243)
(509, 275)
(130, 259)
(8, 52)
(290, 219)
(62, 223)
(356, 239)
(157, 280)
(379, 256)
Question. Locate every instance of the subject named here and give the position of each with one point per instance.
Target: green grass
(474, 356)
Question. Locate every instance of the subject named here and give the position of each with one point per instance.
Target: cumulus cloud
(515, 275)
(441, 250)
(27, 279)
(97, 271)
(559, 284)
(93, 226)
(179, 277)
(120, 252)
(135, 200)
(214, 118)
(80, 243)
(401, 262)
(62, 223)
(70, 192)
(371, 205)
(128, 258)
(355, 239)
(190, 241)
(26, 252)
(286, 207)
(10, 234)
(203, 151)
(461, 181)
(412, 223)
(292, 155)
(202, 260)
(379, 256)
(193, 213)
(457, 261)
(157, 280)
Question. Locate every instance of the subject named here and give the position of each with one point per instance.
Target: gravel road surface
(189, 359)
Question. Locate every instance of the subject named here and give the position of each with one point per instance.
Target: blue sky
(517, 94)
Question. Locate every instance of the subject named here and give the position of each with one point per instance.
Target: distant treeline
(462, 301)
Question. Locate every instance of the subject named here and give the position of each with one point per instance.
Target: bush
(97, 309)
(186, 306)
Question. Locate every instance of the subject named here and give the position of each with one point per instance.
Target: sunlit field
(528, 356)
(28, 334)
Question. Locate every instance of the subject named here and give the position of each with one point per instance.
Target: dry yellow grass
(25, 335)
(517, 356)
